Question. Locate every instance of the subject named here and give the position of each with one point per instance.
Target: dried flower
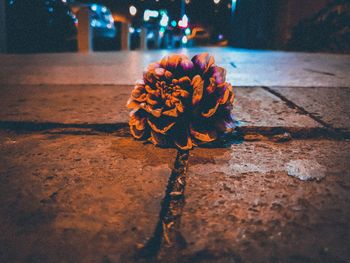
(182, 102)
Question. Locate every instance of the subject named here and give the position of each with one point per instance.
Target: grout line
(292, 105)
(122, 130)
(167, 231)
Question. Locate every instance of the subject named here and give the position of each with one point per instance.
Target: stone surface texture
(245, 67)
(332, 105)
(241, 204)
(254, 106)
(76, 187)
(76, 198)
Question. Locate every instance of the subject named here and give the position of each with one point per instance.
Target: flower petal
(203, 136)
(219, 74)
(155, 112)
(197, 83)
(172, 113)
(159, 72)
(212, 86)
(161, 125)
(152, 66)
(159, 139)
(180, 108)
(171, 62)
(150, 101)
(225, 97)
(182, 139)
(185, 81)
(132, 104)
(211, 111)
(203, 61)
(138, 124)
(232, 97)
(186, 64)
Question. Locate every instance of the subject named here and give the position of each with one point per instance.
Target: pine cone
(182, 102)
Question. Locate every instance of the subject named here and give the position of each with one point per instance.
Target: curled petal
(203, 61)
(168, 103)
(159, 72)
(232, 97)
(150, 101)
(223, 92)
(172, 113)
(168, 74)
(176, 62)
(180, 108)
(141, 98)
(203, 136)
(225, 97)
(161, 127)
(138, 125)
(159, 139)
(211, 111)
(184, 94)
(185, 81)
(148, 88)
(197, 83)
(148, 77)
(138, 90)
(155, 112)
(219, 74)
(186, 64)
(152, 66)
(182, 138)
(132, 104)
(171, 62)
(212, 86)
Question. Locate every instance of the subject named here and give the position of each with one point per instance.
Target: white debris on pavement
(305, 170)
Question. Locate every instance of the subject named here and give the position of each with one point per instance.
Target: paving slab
(332, 105)
(77, 198)
(242, 206)
(245, 67)
(254, 107)
(65, 104)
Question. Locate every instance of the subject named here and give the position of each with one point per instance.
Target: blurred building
(270, 23)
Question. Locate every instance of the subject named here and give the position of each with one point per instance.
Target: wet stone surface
(241, 205)
(76, 198)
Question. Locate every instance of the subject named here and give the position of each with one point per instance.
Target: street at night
(94, 168)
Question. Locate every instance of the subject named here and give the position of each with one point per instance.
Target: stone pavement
(76, 187)
(244, 67)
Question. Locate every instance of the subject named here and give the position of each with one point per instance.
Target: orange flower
(182, 102)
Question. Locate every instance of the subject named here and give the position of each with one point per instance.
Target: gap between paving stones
(292, 105)
(249, 133)
(251, 129)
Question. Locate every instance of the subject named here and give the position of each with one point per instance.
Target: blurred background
(110, 25)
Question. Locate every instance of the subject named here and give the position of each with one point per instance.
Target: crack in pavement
(331, 131)
(167, 232)
(122, 130)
